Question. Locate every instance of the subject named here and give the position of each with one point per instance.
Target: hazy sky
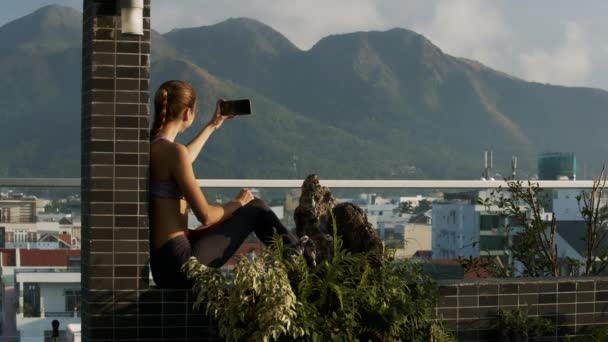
(553, 41)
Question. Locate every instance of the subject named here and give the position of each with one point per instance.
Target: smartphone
(235, 107)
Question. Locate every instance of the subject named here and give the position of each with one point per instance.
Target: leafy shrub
(343, 299)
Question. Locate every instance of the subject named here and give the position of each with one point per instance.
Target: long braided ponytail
(171, 98)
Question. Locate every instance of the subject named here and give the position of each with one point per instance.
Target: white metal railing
(331, 183)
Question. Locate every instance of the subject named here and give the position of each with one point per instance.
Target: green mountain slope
(359, 105)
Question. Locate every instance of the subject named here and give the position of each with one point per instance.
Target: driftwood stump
(315, 230)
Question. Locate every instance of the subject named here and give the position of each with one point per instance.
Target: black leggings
(215, 245)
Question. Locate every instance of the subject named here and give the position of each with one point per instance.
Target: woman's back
(168, 210)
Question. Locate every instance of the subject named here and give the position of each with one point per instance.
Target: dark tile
(126, 259)
(528, 298)
(102, 321)
(127, 59)
(126, 196)
(127, 47)
(105, 21)
(585, 307)
(468, 335)
(127, 121)
(102, 333)
(126, 159)
(528, 288)
(103, 58)
(507, 300)
(468, 301)
(102, 233)
(126, 234)
(585, 318)
(127, 72)
(547, 287)
(447, 302)
(104, 34)
(585, 297)
(151, 332)
(125, 246)
(585, 286)
(127, 183)
(102, 209)
(488, 300)
(447, 313)
(547, 309)
(100, 271)
(488, 312)
(101, 171)
(101, 259)
(601, 296)
(468, 313)
(566, 309)
(101, 196)
(102, 146)
(126, 221)
(126, 171)
(174, 308)
(128, 84)
(102, 158)
(125, 283)
(126, 271)
(566, 297)
(101, 220)
(126, 321)
(508, 289)
(125, 296)
(101, 284)
(601, 317)
(566, 286)
(601, 285)
(103, 46)
(127, 146)
(101, 246)
(102, 95)
(127, 134)
(102, 121)
(544, 298)
(566, 330)
(103, 71)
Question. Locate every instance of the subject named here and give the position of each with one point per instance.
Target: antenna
(513, 167)
(485, 165)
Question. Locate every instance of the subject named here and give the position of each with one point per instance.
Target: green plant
(342, 299)
(595, 216)
(516, 325)
(530, 237)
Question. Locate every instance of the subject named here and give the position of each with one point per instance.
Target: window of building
(72, 300)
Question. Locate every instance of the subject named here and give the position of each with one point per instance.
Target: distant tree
(423, 206)
(595, 216)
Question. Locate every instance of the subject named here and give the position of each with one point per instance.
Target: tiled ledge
(470, 307)
(148, 315)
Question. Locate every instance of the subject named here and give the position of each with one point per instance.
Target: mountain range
(366, 105)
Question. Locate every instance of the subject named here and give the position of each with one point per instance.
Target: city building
(556, 166)
(17, 208)
(44, 295)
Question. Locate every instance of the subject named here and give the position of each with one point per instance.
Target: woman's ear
(187, 114)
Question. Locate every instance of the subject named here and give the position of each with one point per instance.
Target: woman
(173, 185)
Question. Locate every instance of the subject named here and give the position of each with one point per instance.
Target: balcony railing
(331, 183)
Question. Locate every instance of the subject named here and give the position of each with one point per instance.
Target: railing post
(115, 148)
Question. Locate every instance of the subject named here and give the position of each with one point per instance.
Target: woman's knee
(258, 203)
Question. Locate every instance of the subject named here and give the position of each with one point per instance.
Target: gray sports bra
(164, 189)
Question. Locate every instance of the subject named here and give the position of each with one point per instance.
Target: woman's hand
(218, 118)
(244, 197)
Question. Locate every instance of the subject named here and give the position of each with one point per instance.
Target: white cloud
(569, 64)
(303, 22)
(467, 28)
